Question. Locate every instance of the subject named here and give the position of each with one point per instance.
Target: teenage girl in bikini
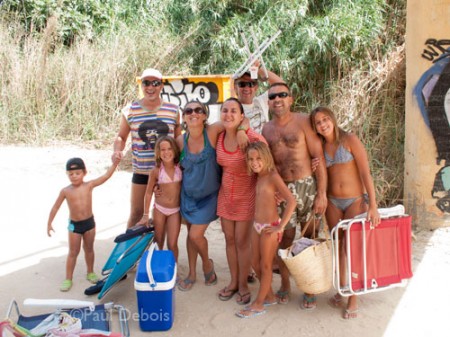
(268, 227)
(350, 188)
(166, 211)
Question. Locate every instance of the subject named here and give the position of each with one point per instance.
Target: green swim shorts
(304, 191)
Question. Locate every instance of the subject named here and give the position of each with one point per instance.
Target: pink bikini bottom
(166, 210)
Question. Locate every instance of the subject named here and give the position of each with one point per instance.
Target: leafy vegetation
(68, 66)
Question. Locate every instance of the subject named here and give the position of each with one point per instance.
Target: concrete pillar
(427, 143)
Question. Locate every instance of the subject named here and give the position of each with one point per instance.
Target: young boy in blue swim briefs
(78, 196)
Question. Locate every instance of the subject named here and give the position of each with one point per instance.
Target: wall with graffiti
(427, 144)
(211, 90)
(433, 95)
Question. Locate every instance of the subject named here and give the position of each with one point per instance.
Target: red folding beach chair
(377, 258)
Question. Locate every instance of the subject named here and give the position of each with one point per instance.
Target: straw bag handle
(151, 280)
(313, 220)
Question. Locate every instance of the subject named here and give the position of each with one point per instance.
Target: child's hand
(116, 159)
(49, 230)
(117, 155)
(144, 220)
(274, 229)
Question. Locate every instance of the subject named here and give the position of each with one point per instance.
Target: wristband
(242, 128)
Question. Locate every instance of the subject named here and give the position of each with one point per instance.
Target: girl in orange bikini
(268, 227)
(350, 185)
(166, 212)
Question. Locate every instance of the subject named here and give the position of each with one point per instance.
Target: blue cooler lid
(163, 271)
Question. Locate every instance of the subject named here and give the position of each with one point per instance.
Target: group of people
(263, 176)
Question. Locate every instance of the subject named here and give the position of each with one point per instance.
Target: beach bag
(312, 268)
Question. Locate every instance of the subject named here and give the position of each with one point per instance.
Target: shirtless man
(293, 143)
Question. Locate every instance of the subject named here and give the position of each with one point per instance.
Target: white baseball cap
(150, 72)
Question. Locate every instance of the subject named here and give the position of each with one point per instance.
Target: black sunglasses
(243, 84)
(190, 111)
(154, 83)
(278, 94)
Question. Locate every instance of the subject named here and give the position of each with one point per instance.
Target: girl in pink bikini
(166, 211)
(268, 227)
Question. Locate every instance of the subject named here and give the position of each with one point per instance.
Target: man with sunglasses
(293, 144)
(146, 120)
(255, 107)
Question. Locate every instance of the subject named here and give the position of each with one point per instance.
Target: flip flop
(309, 302)
(251, 277)
(252, 312)
(336, 301)
(244, 298)
(282, 296)
(350, 314)
(229, 294)
(186, 284)
(211, 277)
(268, 304)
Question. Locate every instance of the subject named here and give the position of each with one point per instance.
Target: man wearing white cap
(147, 119)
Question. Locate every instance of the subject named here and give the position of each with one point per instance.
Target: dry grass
(372, 104)
(49, 91)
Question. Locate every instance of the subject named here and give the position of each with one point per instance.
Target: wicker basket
(312, 268)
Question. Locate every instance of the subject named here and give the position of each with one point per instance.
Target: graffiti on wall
(436, 49)
(433, 96)
(183, 90)
(211, 90)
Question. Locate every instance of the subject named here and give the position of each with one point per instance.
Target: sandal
(251, 277)
(226, 294)
(186, 284)
(66, 285)
(282, 296)
(211, 277)
(336, 301)
(250, 312)
(92, 277)
(350, 314)
(244, 298)
(270, 303)
(309, 302)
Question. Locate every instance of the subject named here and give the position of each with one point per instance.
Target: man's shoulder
(300, 116)
(170, 106)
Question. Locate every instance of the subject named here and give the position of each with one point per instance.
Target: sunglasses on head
(278, 94)
(243, 84)
(154, 83)
(190, 111)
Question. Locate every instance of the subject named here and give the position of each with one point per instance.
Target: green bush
(69, 66)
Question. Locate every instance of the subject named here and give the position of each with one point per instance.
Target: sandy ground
(32, 265)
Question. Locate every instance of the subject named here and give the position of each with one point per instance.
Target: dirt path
(32, 265)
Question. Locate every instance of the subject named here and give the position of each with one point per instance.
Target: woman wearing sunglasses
(146, 120)
(200, 186)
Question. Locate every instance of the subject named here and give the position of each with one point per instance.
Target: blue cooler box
(154, 284)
